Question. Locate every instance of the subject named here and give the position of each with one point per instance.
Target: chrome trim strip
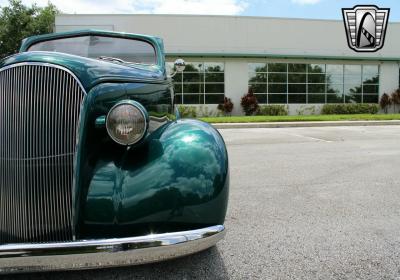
(86, 254)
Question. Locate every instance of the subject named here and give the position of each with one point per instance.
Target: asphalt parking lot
(305, 203)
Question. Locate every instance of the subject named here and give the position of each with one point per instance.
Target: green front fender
(178, 179)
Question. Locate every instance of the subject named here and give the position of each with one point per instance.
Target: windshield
(129, 50)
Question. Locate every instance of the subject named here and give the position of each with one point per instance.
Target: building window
(200, 83)
(285, 83)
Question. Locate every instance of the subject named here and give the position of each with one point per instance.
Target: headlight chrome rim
(142, 111)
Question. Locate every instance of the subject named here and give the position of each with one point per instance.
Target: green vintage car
(97, 168)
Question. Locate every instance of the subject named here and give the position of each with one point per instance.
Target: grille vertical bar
(39, 114)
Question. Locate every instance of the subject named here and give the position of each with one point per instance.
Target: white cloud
(210, 7)
(306, 2)
(226, 7)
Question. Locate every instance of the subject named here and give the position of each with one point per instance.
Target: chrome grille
(39, 114)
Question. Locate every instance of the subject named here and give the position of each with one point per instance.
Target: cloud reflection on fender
(189, 168)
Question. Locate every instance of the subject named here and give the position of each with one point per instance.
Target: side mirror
(180, 66)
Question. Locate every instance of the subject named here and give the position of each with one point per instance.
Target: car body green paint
(178, 179)
(175, 178)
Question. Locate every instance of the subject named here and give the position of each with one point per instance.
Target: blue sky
(323, 9)
(320, 9)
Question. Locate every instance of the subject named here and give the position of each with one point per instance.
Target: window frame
(341, 80)
(202, 82)
(156, 51)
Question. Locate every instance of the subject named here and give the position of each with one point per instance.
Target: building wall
(238, 41)
(389, 80)
(235, 82)
(233, 34)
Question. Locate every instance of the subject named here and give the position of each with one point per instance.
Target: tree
(18, 21)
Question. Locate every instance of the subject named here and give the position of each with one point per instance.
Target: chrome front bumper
(86, 254)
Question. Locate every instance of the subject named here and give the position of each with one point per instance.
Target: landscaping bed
(354, 117)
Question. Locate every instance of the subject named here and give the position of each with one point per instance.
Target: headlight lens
(126, 123)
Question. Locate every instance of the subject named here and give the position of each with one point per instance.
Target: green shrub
(343, 109)
(272, 110)
(187, 111)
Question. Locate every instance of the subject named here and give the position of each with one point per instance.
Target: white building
(302, 63)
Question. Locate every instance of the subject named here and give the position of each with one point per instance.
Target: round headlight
(126, 123)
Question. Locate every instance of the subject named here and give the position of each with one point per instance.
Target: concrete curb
(303, 124)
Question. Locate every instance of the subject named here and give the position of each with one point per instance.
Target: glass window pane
(277, 78)
(258, 67)
(370, 74)
(259, 88)
(316, 88)
(299, 68)
(277, 88)
(371, 89)
(316, 68)
(297, 98)
(177, 78)
(297, 78)
(215, 88)
(214, 67)
(371, 69)
(332, 88)
(370, 98)
(277, 67)
(353, 98)
(200, 78)
(178, 99)
(257, 77)
(352, 79)
(351, 89)
(177, 87)
(316, 78)
(262, 98)
(316, 98)
(130, 50)
(334, 79)
(277, 98)
(336, 69)
(214, 98)
(215, 77)
(193, 99)
(297, 88)
(192, 77)
(333, 98)
(369, 79)
(193, 88)
(352, 70)
(194, 67)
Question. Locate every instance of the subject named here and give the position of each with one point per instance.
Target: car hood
(89, 71)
